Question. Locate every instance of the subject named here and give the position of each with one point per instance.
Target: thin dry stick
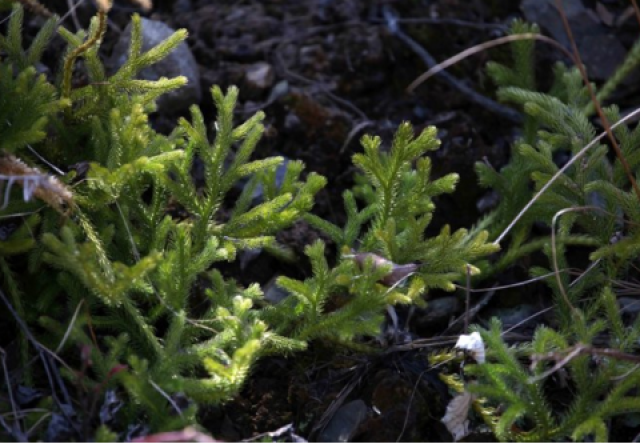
(626, 374)
(40, 420)
(17, 428)
(560, 172)
(517, 284)
(323, 88)
(596, 103)
(469, 313)
(483, 47)
(527, 319)
(166, 396)
(559, 364)
(491, 290)
(70, 11)
(545, 310)
(46, 359)
(74, 16)
(355, 130)
(409, 404)
(42, 159)
(467, 301)
(37, 345)
(636, 10)
(576, 350)
(360, 370)
(7, 18)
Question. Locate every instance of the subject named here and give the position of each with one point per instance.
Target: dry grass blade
(483, 47)
(561, 361)
(504, 112)
(556, 269)
(16, 430)
(70, 327)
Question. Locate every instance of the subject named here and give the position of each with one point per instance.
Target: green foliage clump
(100, 263)
(117, 261)
(588, 202)
(386, 233)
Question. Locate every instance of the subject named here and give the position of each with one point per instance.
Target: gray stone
(180, 62)
(629, 307)
(281, 170)
(520, 315)
(440, 310)
(273, 293)
(345, 422)
(259, 76)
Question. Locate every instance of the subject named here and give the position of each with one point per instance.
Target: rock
(62, 425)
(345, 422)
(488, 201)
(246, 257)
(600, 51)
(180, 62)
(182, 7)
(27, 395)
(520, 314)
(629, 307)
(110, 407)
(440, 310)
(258, 193)
(292, 122)
(273, 293)
(259, 76)
(7, 228)
(436, 316)
(136, 431)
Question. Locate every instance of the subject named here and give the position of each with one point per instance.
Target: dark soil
(339, 71)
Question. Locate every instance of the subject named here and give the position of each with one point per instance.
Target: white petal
(474, 344)
(456, 417)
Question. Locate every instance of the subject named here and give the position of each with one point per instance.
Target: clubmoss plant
(98, 271)
(385, 258)
(589, 203)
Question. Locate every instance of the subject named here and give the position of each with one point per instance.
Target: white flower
(474, 344)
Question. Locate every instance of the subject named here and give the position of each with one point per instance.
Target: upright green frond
(26, 104)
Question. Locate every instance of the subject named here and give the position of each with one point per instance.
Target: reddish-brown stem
(636, 10)
(596, 103)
